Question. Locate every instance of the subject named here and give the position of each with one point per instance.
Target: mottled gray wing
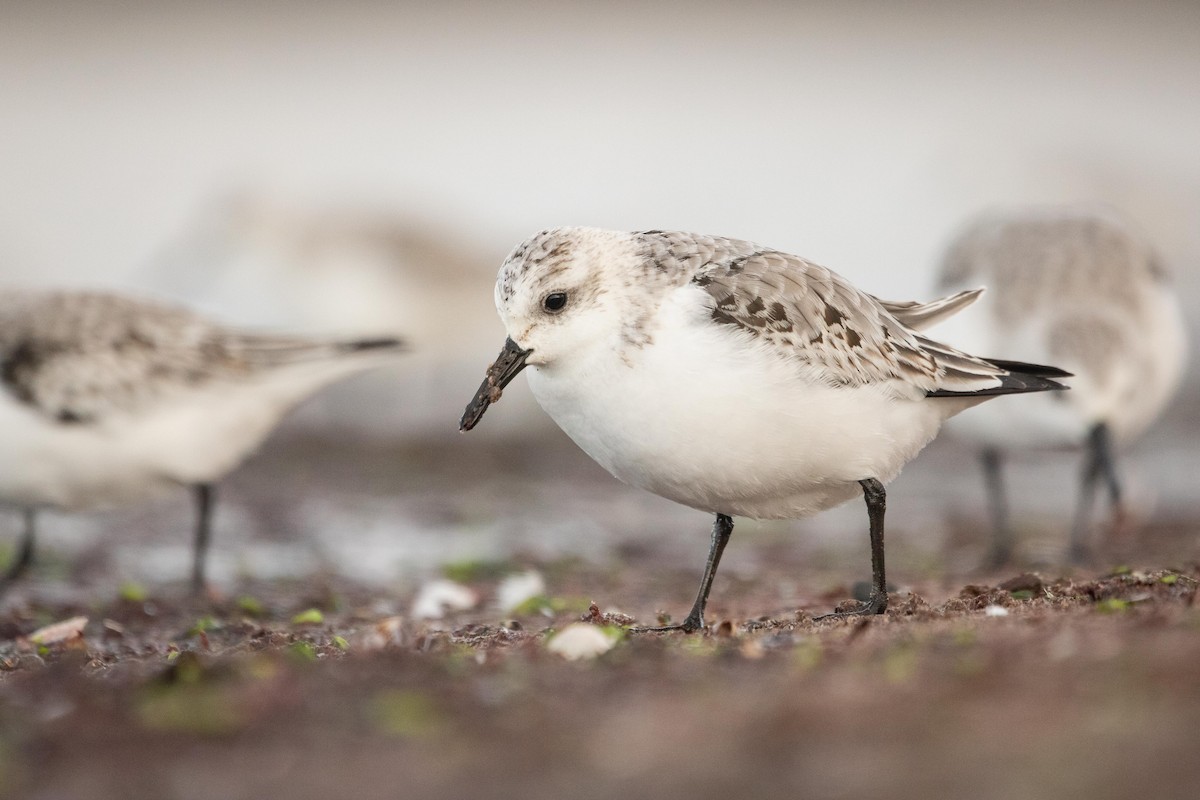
(77, 357)
(812, 314)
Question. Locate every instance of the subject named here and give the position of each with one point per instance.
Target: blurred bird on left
(108, 400)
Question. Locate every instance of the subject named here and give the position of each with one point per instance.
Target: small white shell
(438, 597)
(581, 640)
(516, 589)
(57, 632)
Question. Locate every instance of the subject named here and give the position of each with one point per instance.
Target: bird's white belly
(705, 417)
(192, 438)
(71, 466)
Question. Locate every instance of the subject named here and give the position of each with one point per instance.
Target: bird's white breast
(705, 416)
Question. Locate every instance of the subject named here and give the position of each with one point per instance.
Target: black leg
(1099, 463)
(1101, 442)
(204, 503)
(24, 557)
(1002, 534)
(876, 497)
(722, 530)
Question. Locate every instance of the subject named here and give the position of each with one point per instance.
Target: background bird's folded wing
(77, 357)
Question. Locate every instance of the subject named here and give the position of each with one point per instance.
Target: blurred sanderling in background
(106, 400)
(265, 257)
(1078, 287)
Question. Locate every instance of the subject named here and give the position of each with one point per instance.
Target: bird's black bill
(506, 366)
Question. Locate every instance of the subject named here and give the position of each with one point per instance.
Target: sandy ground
(1038, 681)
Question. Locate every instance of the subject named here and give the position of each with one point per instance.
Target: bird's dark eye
(555, 302)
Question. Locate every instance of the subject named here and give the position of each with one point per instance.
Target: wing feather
(919, 316)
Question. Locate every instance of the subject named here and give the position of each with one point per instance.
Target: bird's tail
(382, 343)
(279, 351)
(1020, 377)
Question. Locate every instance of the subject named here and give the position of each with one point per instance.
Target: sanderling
(1078, 287)
(732, 378)
(106, 399)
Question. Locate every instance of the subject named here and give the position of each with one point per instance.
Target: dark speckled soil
(1056, 684)
(1085, 688)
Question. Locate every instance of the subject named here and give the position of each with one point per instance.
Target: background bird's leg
(1100, 440)
(24, 556)
(1097, 461)
(722, 530)
(876, 497)
(1002, 534)
(204, 493)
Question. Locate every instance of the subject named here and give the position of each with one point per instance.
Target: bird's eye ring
(555, 302)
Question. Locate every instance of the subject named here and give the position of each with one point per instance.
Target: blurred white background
(155, 145)
(354, 166)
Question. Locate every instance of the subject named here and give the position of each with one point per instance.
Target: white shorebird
(106, 400)
(732, 378)
(1077, 287)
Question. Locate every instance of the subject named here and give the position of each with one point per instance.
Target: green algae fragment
(312, 616)
(132, 592)
(250, 606)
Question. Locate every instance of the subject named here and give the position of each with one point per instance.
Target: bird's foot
(693, 623)
(877, 603)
